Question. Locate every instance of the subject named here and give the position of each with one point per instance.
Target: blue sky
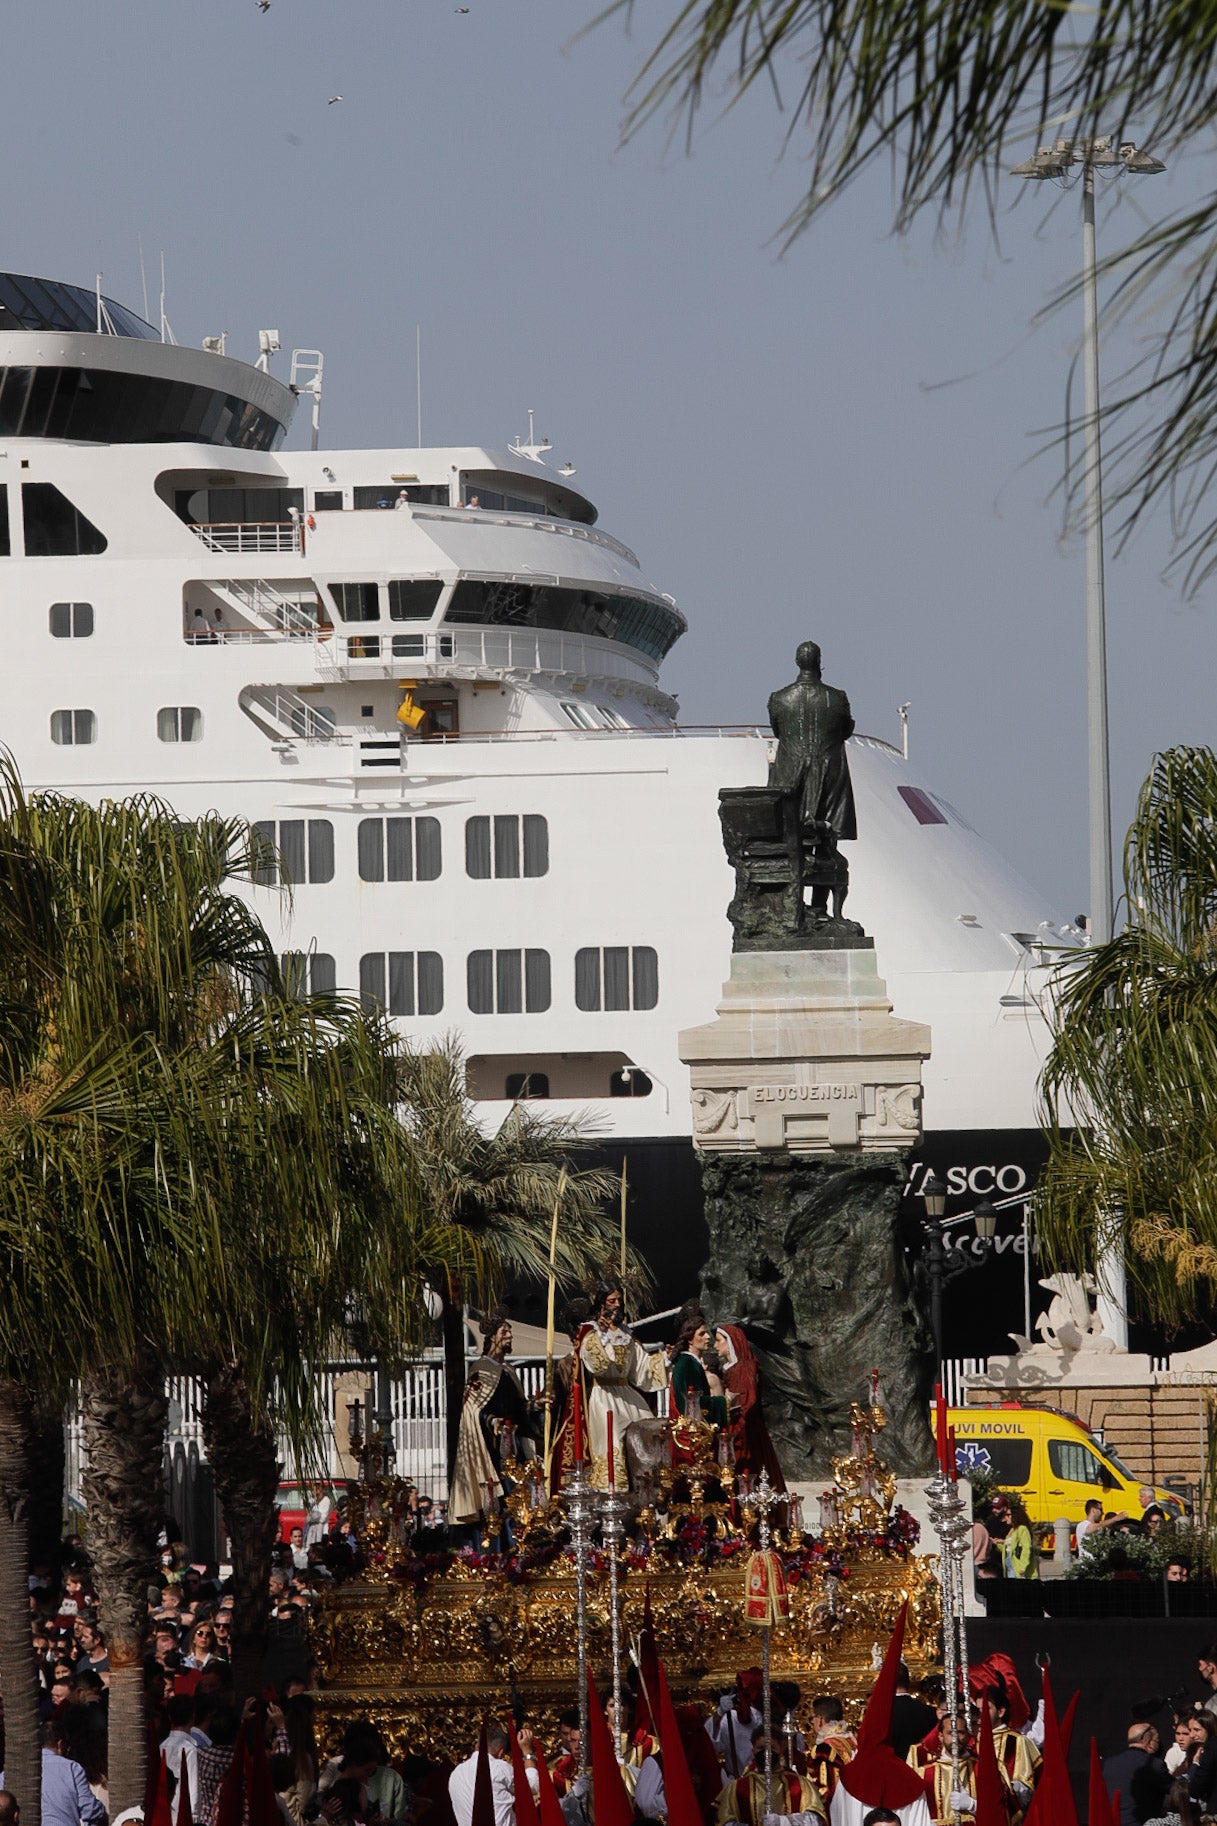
(838, 443)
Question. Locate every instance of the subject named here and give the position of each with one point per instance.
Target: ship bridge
(80, 367)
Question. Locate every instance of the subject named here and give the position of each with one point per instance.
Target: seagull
(462, 9)
(332, 100)
(264, 6)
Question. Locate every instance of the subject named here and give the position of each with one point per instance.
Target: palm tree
(948, 94)
(1130, 1085)
(167, 1119)
(493, 1195)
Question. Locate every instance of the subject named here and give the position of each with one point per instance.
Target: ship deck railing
(248, 535)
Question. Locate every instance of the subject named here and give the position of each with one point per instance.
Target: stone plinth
(805, 1055)
(806, 1097)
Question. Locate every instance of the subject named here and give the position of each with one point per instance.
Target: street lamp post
(1054, 162)
(941, 1263)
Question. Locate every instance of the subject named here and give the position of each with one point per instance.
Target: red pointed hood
(549, 1806)
(611, 1804)
(990, 1795)
(683, 1808)
(1099, 1810)
(997, 1670)
(161, 1813)
(876, 1776)
(648, 1663)
(1052, 1803)
(483, 1793)
(526, 1806)
(185, 1803)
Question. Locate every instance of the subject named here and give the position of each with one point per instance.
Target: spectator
(1092, 1519)
(1180, 1753)
(93, 1652)
(912, 1718)
(298, 1726)
(214, 1762)
(201, 1646)
(66, 1797)
(1202, 1770)
(1206, 1667)
(460, 1782)
(1178, 1571)
(1139, 1774)
(181, 1747)
(1180, 1808)
(10, 1812)
(365, 1760)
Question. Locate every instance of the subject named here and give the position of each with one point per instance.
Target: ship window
(293, 851)
(402, 982)
(327, 501)
(71, 620)
(579, 715)
(309, 973)
(6, 550)
(399, 849)
(612, 719)
(54, 528)
(508, 982)
(506, 847)
(524, 1086)
(630, 1083)
(180, 723)
(921, 805)
(412, 598)
(384, 494)
(616, 977)
(73, 728)
(315, 722)
(637, 621)
(357, 601)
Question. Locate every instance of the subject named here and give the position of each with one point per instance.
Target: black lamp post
(942, 1264)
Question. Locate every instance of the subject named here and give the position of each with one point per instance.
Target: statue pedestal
(806, 1055)
(806, 1096)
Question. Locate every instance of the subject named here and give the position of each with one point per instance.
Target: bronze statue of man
(812, 723)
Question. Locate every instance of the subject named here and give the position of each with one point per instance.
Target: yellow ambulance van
(1054, 1463)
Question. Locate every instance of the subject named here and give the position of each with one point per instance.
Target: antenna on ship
(902, 711)
(532, 450)
(418, 375)
(143, 276)
(307, 368)
(166, 332)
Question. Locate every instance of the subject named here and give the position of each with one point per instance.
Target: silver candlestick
(764, 1498)
(614, 1508)
(579, 1500)
(948, 1514)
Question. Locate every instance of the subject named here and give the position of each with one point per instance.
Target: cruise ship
(435, 684)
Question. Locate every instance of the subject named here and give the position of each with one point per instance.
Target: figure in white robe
(616, 1368)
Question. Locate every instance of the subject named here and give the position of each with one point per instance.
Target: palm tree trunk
(46, 1480)
(243, 1453)
(452, 1331)
(23, 1757)
(124, 1428)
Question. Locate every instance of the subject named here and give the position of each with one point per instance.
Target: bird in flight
(459, 9)
(332, 100)
(264, 6)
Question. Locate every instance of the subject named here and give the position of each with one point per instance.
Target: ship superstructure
(434, 683)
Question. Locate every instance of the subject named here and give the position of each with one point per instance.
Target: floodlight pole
(1098, 754)
(1054, 162)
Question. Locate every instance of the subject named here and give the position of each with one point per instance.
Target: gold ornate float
(425, 1648)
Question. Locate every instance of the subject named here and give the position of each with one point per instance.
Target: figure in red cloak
(754, 1451)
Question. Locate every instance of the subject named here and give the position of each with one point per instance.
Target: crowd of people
(1109, 1543)
(812, 1746)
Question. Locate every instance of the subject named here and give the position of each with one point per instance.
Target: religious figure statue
(753, 1448)
(615, 1368)
(812, 722)
(497, 1423)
